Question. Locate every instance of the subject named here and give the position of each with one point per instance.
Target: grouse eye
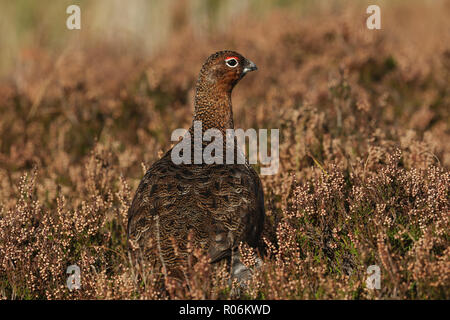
(231, 62)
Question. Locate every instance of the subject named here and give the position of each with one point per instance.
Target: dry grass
(364, 118)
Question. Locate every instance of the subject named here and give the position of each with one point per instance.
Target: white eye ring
(231, 62)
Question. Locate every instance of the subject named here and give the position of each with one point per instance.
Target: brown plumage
(220, 205)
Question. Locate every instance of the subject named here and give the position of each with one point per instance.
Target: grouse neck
(213, 108)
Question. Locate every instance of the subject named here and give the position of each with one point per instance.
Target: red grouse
(220, 205)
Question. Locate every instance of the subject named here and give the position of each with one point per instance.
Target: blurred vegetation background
(146, 23)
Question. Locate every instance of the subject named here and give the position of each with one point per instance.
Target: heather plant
(364, 157)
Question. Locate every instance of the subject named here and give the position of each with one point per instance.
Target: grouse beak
(250, 66)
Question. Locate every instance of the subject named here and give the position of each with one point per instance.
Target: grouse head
(219, 74)
(225, 69)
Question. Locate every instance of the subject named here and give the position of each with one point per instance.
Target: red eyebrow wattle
(228, 58)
